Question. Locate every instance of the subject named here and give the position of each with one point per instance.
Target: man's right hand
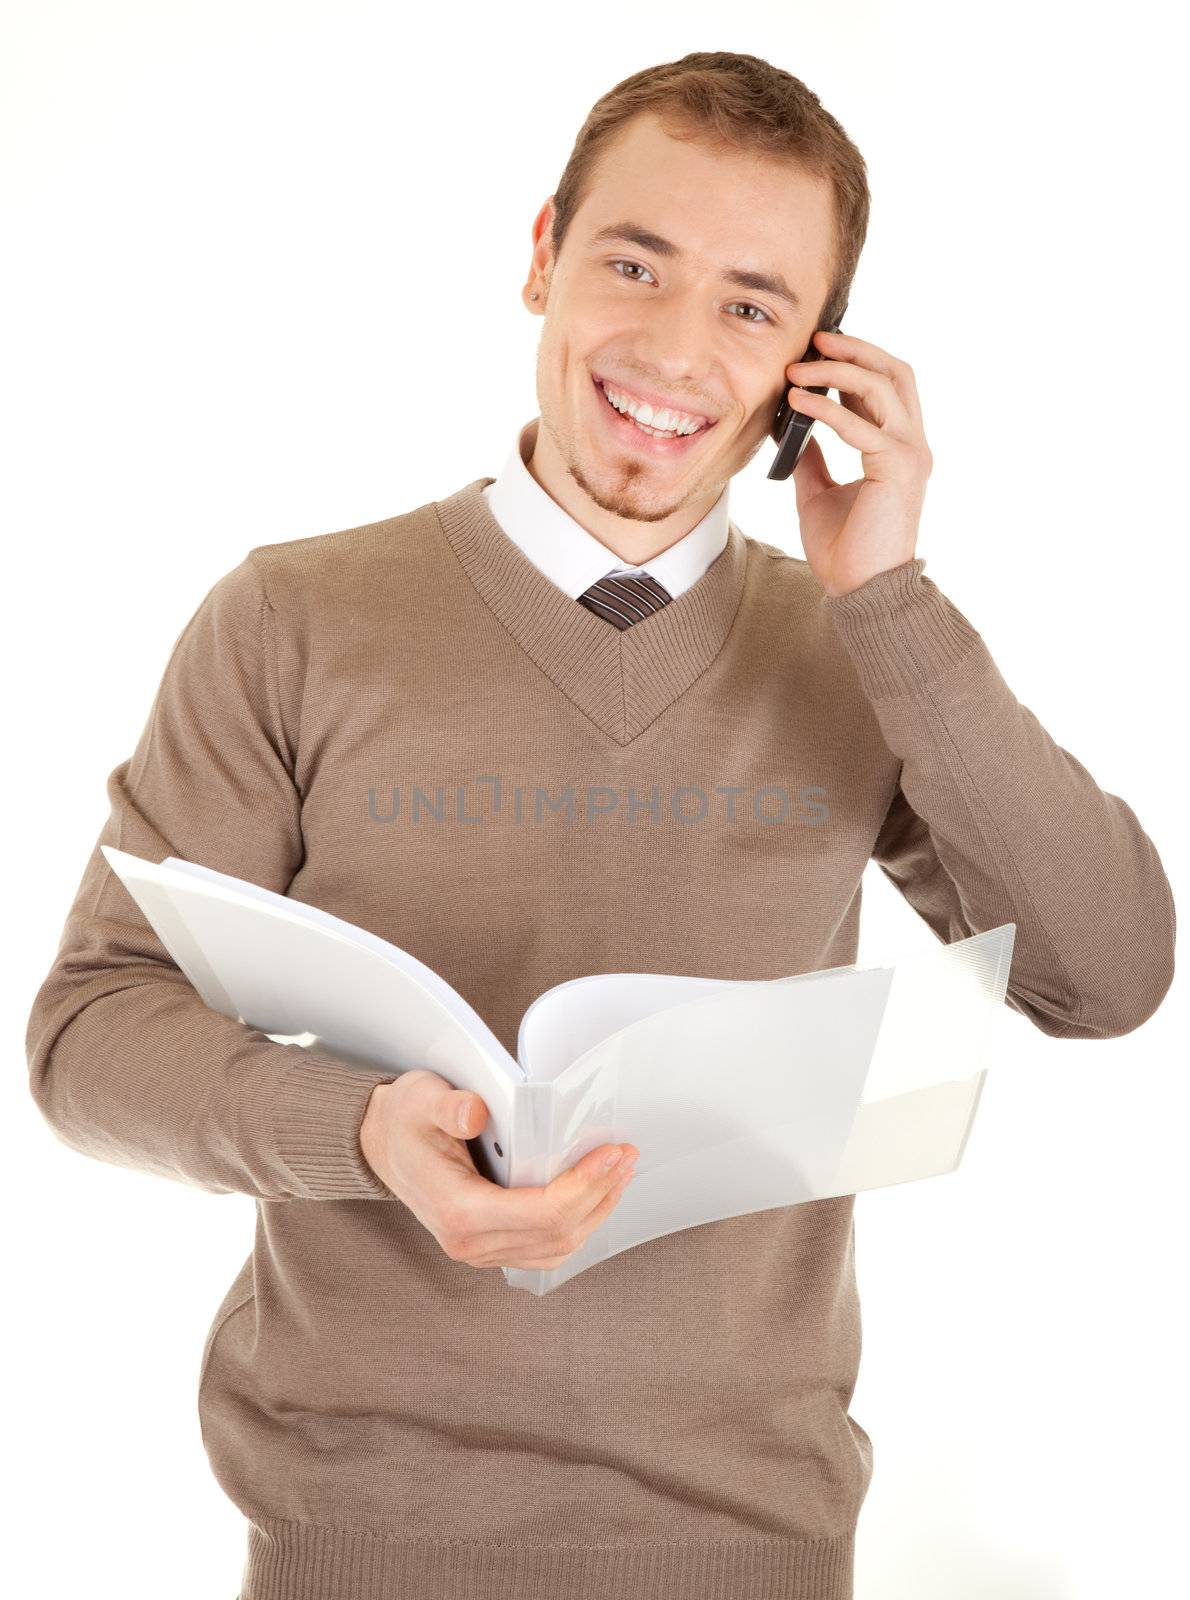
(414, 1137)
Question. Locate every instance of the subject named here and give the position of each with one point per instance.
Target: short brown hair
(735, 102)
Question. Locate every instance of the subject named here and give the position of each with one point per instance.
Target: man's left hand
(852, 531)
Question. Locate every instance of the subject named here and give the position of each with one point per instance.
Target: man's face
(673, 327)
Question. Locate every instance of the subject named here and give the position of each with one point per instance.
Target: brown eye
(761, 317)
(630, 264)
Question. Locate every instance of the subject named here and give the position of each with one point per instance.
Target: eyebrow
(762, 282)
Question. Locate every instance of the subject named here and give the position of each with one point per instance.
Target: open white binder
(740, 1095)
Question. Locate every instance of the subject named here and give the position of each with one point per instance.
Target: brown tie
(623, 600)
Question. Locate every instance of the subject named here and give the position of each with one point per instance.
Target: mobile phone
(791, 429)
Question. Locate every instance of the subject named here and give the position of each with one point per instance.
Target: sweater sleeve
(126, 1062)
(994, 822)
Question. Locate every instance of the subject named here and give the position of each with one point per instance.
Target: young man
(647, 743)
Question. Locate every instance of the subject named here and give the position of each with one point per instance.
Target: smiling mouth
(667, 442)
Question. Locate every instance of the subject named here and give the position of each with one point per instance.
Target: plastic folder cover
(907, 1055)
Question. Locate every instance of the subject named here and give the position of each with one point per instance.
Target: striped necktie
(625, 600)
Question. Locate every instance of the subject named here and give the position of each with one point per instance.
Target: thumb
(811, 475)
(464, 1114)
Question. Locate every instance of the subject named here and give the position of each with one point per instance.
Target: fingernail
(610, 1160)
(464, 1113)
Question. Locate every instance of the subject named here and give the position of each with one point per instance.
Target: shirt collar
(574, 559)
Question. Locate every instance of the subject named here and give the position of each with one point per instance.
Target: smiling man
(643, 742)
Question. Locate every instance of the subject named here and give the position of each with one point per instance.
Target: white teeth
(673, 423)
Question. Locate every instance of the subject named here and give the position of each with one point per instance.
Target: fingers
(522, 1255)
(489, 1223)
(846, 347)
(850, 427)
(562, 1204)
(624, 1173)
(596, 1199)
(474, 1220)
(881, 402)
(521, 1249)
(573, 1194)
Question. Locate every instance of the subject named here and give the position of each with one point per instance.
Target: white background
(262, 281)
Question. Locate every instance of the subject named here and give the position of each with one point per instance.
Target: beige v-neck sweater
(697, 794)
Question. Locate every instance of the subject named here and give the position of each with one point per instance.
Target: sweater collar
(622, 679)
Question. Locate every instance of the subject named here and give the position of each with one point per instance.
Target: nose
(673, 349)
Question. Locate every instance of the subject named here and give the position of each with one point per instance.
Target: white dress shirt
(574, 559)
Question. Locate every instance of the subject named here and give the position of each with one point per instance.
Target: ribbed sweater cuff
(900, 630)
(317, 1109)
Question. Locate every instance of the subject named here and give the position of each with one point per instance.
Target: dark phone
(791, 429)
